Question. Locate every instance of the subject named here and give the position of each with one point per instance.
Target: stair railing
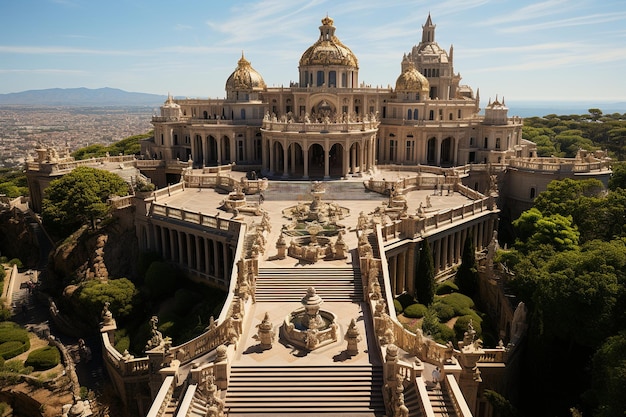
(450, 385)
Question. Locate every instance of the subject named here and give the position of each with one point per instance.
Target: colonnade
(296, 158)
(446, 248)
(420, 149)
(207, 256)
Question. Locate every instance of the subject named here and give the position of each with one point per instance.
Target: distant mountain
(81, 97)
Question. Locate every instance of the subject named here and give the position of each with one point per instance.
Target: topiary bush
(461, 324)
(462, 304)
(415, 311)
(398, 306)
(13, 340)
(444, 311)
(44, 358)
(444, 334)
(446, 287)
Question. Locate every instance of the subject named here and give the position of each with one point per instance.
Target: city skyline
(542, 51)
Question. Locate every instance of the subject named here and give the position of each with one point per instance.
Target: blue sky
(530, 50)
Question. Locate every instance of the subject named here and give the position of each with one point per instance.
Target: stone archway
(316, 161)
(446, 158)
(211, 150)
(336, 160)
(295, 160)
(431, 151)
(279, 158)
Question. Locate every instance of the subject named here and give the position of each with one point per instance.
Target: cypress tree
(466, 277)
(425, 276)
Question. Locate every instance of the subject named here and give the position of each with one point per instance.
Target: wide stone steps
(290, 284)
(441, 403)
(334, 190)
(412, 401)
(298, 390)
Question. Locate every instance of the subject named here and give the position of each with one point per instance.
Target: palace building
(330, 125)
(310, 205)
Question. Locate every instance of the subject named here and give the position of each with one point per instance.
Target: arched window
(206, 115)
(243, 114)
(431, 116)
(320, 78)
(332, 78)
(415, 114)
(409, 114)
(532, 192)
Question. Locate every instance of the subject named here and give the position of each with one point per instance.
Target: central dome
(328, 50)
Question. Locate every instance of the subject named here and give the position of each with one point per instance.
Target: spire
(428, 31)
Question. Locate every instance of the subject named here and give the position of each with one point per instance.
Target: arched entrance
(335, 161)
(279, 155)
(295, 160)
(211, 158)
(446, 152)
(431, 149)
(199, 156)
(316, 161)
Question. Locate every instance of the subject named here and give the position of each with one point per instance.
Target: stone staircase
(354, 390)
(332, 284)
(334, 190)
(441, 402)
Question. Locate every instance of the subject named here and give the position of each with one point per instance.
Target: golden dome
(328, 50)
(245, 78)
(412, 81)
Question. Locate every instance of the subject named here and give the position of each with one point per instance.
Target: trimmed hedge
(415, 311)
(462, 304)
(13, 340)
(444, 311)
(398, 306)
(44, 358)
(446, 287)
(460, 326)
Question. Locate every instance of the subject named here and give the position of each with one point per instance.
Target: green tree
(80, 197)
(618, 177)
(609, 376)
(425, 275)
(467, 275)
(535, 229)
(93, 294)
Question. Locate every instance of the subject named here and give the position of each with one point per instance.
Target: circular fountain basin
(296, 331)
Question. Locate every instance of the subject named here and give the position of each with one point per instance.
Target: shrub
(460, 327)
(444, 334)
(44, 358)
(122, 343)
(11, 349)
(446, 287)
(398, 306)
(16, 262)
(405, 299)
(415, 311)
(462, 304)
(13, 340)
(444, 311)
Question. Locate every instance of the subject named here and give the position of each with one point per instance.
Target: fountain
(309, 326)
(313, 225)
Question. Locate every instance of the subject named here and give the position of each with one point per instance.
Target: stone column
(326, 161)
(305, 154)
